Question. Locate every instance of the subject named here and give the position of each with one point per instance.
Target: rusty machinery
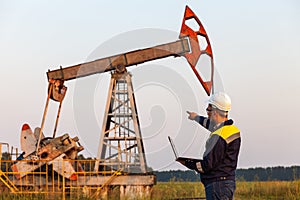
(121, 144)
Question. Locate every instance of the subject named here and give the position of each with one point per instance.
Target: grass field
(272, 190)
(279, 190)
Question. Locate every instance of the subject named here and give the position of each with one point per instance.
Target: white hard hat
(221, 101)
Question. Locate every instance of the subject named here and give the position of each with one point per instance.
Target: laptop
(179, 158)
(173, 147)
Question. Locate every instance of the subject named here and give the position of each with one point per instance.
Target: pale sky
(255, 45)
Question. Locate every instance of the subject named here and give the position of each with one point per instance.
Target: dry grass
(277, 190)
(176, 190)
(287, 190)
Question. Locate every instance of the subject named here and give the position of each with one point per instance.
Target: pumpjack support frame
(121, 144)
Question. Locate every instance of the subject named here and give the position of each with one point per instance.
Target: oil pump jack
(121, 144)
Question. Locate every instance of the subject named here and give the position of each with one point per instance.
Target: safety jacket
(221, 152)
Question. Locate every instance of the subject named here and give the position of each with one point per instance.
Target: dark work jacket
(221, 152)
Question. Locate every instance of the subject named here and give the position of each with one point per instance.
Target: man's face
(211, 112)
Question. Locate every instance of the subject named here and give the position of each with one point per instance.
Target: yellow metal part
(6, 181)
(116, 173)
(47, 182)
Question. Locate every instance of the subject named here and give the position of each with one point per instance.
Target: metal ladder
(6, 181)
(116, 173)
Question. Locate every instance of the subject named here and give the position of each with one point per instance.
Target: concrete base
(135, 192)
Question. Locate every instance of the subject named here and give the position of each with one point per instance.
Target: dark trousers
(220, 190)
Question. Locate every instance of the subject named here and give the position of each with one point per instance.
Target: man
(217, 168)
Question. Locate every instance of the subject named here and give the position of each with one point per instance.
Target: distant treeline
(250, 174)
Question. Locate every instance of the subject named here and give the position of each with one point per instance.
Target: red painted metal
(193, 56)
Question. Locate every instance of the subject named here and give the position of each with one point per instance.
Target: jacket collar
(220, 125)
